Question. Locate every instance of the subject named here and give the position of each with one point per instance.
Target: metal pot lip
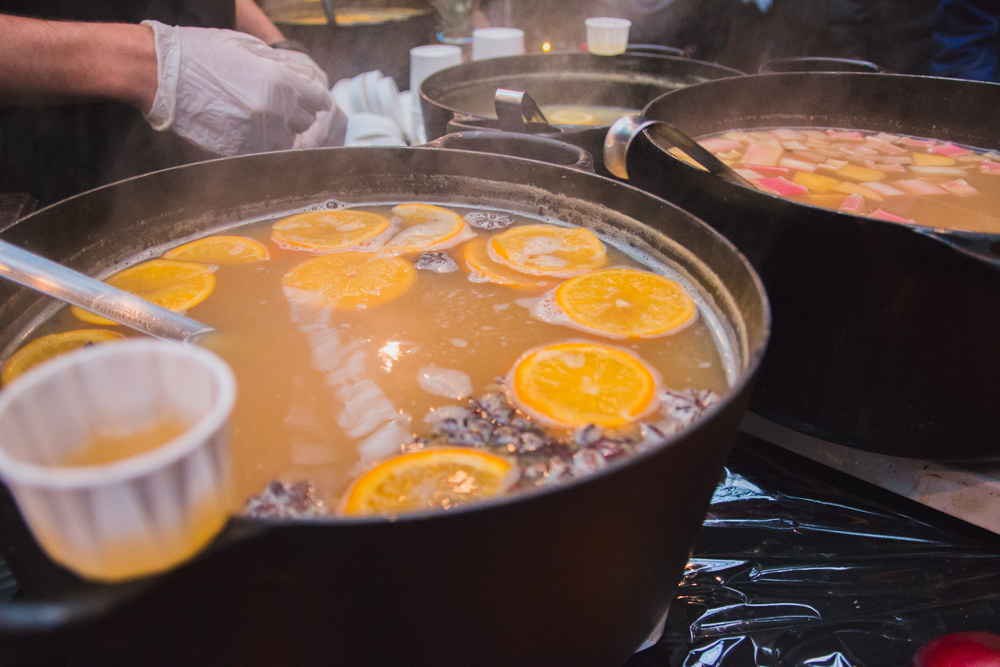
(528, 64)
(741, 384)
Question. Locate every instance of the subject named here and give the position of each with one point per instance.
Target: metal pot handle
(818, 64)
(514, 144)
(627, 128)
(656, 50)
(980, 246)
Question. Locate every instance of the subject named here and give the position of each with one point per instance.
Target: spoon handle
(48, 277)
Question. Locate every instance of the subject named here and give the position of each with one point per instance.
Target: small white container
(607, 36)
(497, 43)
(426, 60)
(368, 129)
(136, 515)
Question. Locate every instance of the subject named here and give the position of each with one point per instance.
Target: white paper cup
(607, 36)
(136, 515)
(426, 60)
(367, 129)
(497, 43)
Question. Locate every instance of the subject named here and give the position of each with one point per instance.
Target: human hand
(229, 92)
(329, 129)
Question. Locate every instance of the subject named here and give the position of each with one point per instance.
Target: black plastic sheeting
(798, 564)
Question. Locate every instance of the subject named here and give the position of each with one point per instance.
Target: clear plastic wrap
(798, 564)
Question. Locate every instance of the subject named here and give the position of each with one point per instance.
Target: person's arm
(252, 20)
(54, 62)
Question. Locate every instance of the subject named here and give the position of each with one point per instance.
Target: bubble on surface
(446, 382)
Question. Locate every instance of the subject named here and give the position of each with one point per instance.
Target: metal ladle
(51, 278)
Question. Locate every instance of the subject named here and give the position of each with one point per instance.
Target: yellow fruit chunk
(351, 279)
(929, 160)
(576, 384)
(425, 227)
(861, 174)
(626, 302)
(51, 346)
(826, 201)
(219, 250)
(477, 259)
(329, 231)
(815, 182)
(548, 250)
(429, 479)
(174, 285)
(853, 188)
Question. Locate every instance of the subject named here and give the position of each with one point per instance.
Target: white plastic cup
(368, 129)
(426, 60)
(607, 36)
(497, 43)
(140, 514)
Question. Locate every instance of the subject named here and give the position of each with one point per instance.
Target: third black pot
(885, 333)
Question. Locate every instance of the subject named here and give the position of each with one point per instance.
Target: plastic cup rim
(607, 22)
(76, 477)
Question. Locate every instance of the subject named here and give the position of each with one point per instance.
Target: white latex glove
(229, 92)
(328, 130)
(303, 64)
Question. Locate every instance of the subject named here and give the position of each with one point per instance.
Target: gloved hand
(229, 92)
(303, 64)
(329, 129)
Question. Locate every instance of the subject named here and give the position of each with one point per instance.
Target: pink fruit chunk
(883, 189)
(780, 186)
(785, 134)
(915, 186)
(991, 168)
(834, 165)
(765, 170)
(810, 156)
(765, 156)
(801, 165)
(879, 214)
(889, 149)
(749, 174)
(852, 203)
(960, 649)
(845, 136)
(960, 187)
(949, 150)
(884, 167)
(718, 145)
(918, 143)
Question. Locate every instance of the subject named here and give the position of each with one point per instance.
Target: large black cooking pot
(464, 94)
(575, 575)
(885, 334)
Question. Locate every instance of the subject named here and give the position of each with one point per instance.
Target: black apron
(56, 152)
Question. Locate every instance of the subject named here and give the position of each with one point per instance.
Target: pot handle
(627, 128)
(515, 144)
(656, 50)
(818, 64)
(980, 246)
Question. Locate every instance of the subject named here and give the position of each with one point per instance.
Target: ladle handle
(514, 108)
(627, 128)
(48, 277)
(514, 144)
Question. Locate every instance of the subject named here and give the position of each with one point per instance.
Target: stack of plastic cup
(137, 514)
(497, 43)
(607, 36)
(424, 61)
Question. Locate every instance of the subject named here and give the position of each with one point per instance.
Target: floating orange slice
(174, 285)
(219, 250)
(548, 250)
(425, 227)
(626, 302)
(330, 231)
(351, 279)
(48, 347)
(429, 479)
(576, 384)
(477, 259)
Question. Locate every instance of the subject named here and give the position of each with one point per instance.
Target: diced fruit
(810, 156)
(960, 187)
(780, 186)
(763, 156)
(991, 168)
(764, 170)
(862, 174)
(918, 143)
(915, 186)
(815, 182)
(787, 134)
(889, 149)
(949, 150)
(845, 136)
(852, 203)
(749, 174)
(927, 160)
(885, 167)
(854, 188)
(828, 201)
(829, 152)
(719, 145)
(801, 165)
(833, 165)
(883, 189)
(736, 136)
(885, 215)
(938, 171)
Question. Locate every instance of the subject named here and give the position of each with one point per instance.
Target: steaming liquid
(322, 393)
(957, 190)
(582, 114)
(108, 447)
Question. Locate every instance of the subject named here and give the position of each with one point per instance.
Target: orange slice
(626, 302)
(576, 384)
(429, 479)
(219, 250)
(329, 231)
(425, 227)
(548, 250)
(351, 279)
(49, 347)
(174, 285)
(477, 259)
